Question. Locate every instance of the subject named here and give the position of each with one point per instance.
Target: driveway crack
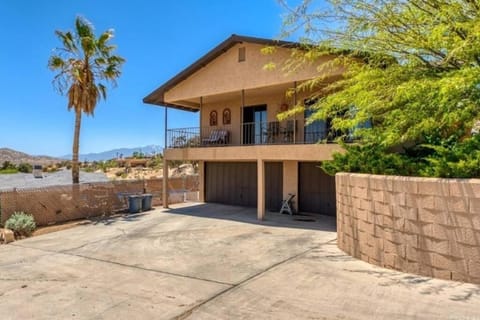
(189, 312)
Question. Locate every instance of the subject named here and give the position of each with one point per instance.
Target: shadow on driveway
(249, 215)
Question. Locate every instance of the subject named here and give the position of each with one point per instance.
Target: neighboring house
(246, 156)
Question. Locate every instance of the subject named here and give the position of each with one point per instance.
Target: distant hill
(113, 154)
(17, 157)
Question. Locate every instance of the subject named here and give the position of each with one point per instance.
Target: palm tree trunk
(76, 147)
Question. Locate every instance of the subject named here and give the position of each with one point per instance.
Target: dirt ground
(120, 173)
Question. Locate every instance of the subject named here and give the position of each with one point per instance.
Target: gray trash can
(134, 203)
(147, 201)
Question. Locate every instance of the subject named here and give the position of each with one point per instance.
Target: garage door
(233, 183)
(273, 186)
(316, 190)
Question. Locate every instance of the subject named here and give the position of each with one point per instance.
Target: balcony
(253, 133)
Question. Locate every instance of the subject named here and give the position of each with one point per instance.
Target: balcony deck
(271, 141)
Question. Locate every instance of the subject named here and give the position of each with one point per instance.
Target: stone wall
(425, 226)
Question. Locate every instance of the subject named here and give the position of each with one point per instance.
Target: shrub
(21, 224)
(7, 165)
(372, 159)
(25, 167)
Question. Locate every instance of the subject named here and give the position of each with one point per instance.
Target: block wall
(425, 226)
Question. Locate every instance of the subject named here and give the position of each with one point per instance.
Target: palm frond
(81, 63)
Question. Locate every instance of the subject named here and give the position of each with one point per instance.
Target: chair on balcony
(288, 131)
(217, 136)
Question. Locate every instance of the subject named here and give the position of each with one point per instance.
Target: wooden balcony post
(165, 165)
(165, 182)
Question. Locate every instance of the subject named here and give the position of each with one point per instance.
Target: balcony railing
(253, 133)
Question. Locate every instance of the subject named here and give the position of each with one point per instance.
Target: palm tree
(82, 63)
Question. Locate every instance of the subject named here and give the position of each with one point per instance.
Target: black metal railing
(252, 133)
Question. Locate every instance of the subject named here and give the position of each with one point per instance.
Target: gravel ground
(63, 177)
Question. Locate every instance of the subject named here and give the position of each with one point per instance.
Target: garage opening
(316, 190)
(232, 183)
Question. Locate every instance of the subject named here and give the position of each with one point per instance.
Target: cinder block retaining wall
(424, 226)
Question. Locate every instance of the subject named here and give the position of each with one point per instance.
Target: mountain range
(17, 157)
(115, 153)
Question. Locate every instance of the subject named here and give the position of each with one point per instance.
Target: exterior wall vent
(241, 54)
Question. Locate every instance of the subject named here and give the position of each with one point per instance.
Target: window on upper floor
(242, 54)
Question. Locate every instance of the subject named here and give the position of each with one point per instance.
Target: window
(242, 54)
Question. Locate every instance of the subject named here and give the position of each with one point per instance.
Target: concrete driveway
(208, 261)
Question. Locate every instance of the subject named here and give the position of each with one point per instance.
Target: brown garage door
(273, 185)
(233, 183)
(316, 190)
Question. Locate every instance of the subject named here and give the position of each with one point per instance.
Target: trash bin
(134, 203)
(147, 201)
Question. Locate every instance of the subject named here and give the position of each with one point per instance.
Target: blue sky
(158, 39)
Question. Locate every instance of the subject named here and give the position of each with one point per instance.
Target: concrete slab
(212, 261)
(324, 283)
(60, 286)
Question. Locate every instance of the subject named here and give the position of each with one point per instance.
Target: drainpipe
(165, 165)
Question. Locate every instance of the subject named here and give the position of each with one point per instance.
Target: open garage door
(233, 183)
(316, 190)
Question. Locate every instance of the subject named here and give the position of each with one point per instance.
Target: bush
(434, 157)
(6, 165)
(372, 159)
(25, 167)
(21, 224)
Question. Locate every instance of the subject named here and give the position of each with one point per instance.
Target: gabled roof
(157, 96)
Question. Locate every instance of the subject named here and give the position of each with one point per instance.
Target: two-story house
(247, 157)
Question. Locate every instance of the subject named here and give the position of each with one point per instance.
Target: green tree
(6, 165)
(25, 167)
(412, 67)
(82, 63)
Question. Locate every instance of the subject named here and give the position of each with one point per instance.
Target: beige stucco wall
(273, 102)
(419, 225)
(298, 152)
(226, 74)
(290, 181)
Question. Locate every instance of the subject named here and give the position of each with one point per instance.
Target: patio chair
(217, 136)
(287, 204)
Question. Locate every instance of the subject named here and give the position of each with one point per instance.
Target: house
(247, 157)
